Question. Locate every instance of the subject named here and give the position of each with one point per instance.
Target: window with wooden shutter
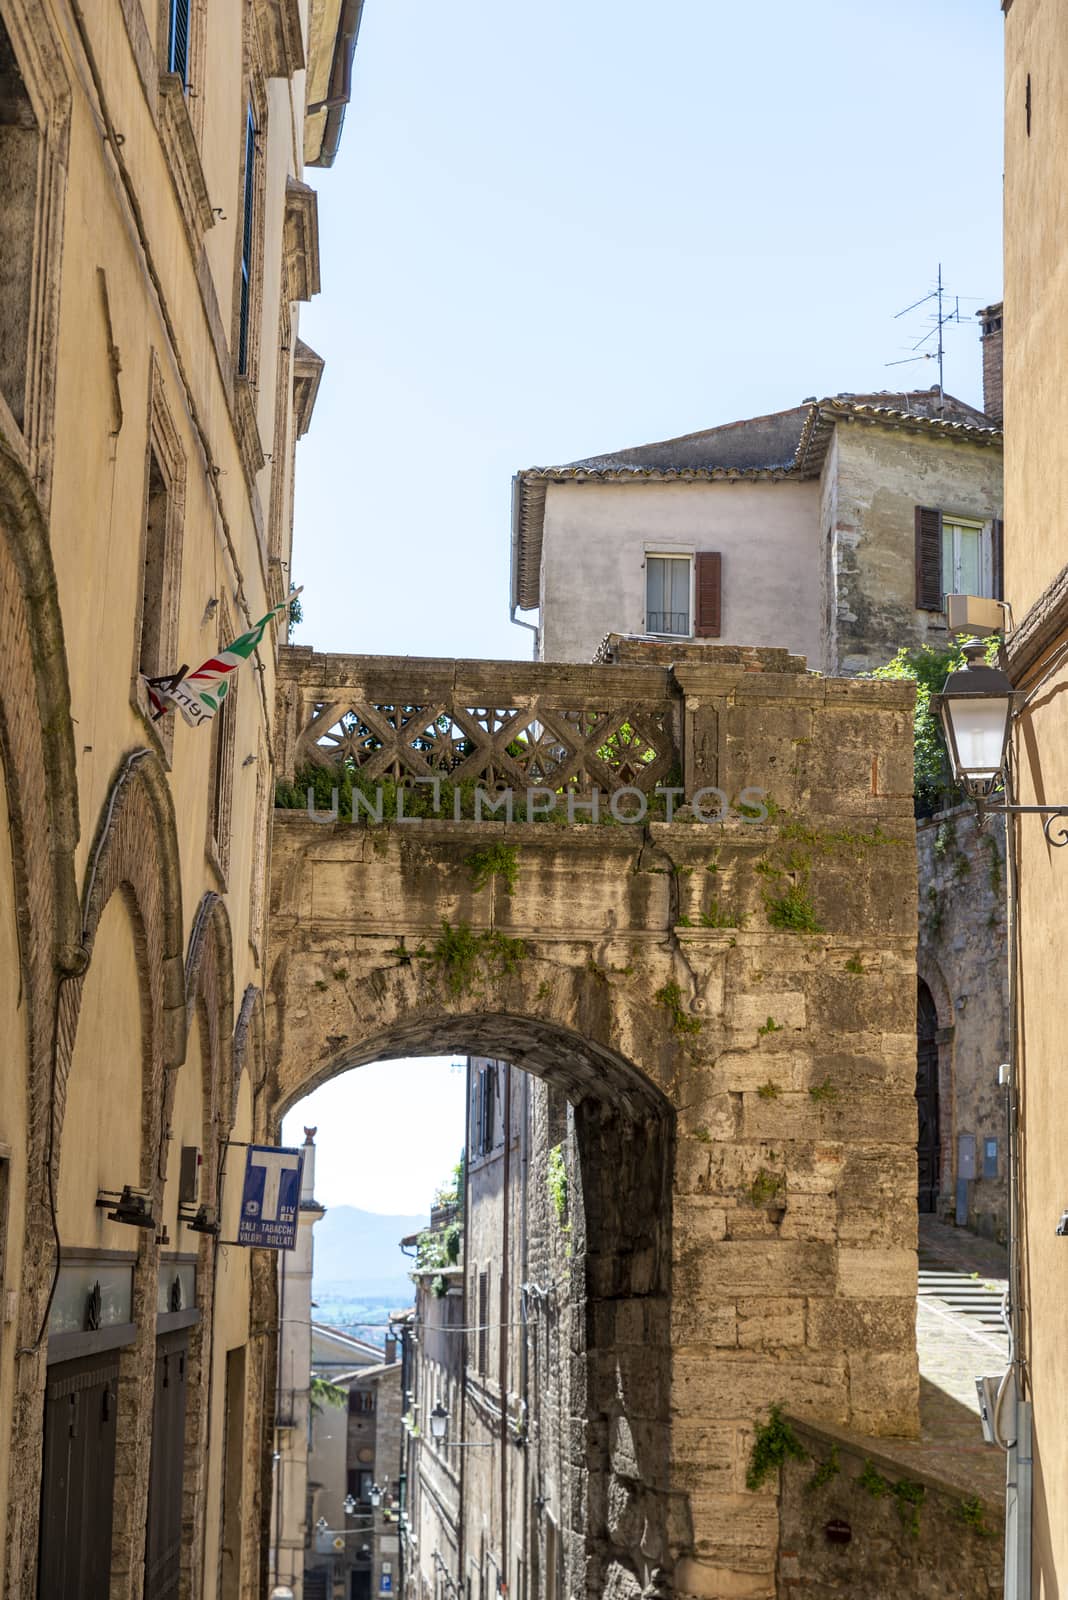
(178, 40)
(928, 559)
(248, 204)
(709, 594)
(997, 539)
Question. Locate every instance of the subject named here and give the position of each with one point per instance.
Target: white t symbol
(276, 1162)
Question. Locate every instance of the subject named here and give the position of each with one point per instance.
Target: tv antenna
(943, 316)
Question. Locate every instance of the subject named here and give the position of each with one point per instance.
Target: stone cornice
(1040, 629)
(301, 241)
(281, 41)
(183, 158)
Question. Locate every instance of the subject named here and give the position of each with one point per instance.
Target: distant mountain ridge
(361, 1249)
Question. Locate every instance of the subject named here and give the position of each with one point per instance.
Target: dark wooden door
(928, 1148)
(78, 1479)
(163, 1544)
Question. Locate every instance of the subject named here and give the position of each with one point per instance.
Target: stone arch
(620, 1282)
(38, 770)
(134, 854)
(209, 1010)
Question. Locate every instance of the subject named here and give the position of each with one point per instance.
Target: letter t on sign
(276, 1162)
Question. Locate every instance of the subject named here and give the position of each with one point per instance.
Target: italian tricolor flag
(198, 695)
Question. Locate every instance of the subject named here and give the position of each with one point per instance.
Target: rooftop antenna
(942, 317)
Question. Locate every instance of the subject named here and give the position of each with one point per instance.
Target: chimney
(307, 1177)
(391, 1349)
(990, 318)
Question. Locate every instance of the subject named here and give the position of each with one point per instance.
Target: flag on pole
(198, 695)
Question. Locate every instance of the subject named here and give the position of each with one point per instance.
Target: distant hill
(361, 1249)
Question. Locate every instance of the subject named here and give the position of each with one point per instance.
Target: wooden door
(928, 1148)
(78, 1479)
(163, 1542)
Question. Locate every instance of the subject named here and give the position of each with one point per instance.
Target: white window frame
(658, 553)
(951, 578)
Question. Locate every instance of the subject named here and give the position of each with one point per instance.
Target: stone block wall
(858, 1522)
(963, 959)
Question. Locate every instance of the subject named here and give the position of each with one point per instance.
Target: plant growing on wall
(927, 666)
(494, 861)
(774, 1443)
(556, 1183)
(669, 998)
(324, 1393)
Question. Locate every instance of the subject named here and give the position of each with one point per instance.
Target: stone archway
(619, 1368)
(736, 1000)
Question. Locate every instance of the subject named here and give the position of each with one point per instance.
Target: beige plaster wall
(1036, 412)
(101, 1143)
(596, 536)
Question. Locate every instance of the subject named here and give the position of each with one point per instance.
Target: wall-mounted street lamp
(977, 706)
(439, 1421)
(375, 1495)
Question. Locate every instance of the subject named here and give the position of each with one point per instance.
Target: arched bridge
(729, 1003)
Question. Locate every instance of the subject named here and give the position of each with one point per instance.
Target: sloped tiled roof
(784, 444)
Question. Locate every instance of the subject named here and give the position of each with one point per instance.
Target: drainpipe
(465, 1323)
(519, 623)
(506, 1318)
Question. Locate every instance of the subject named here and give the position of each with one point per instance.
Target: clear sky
(561, 229)
(389, 1134)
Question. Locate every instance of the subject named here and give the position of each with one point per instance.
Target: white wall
(596, 536)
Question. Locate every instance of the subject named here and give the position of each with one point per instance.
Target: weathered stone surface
(663, 977)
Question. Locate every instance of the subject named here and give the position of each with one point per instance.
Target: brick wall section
(993, 361)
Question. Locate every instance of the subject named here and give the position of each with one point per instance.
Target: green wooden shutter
(998, 562)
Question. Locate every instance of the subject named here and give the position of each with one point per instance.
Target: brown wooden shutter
(928, 559)
(998, 543)
(709, 588)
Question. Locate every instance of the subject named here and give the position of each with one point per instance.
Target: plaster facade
(141, 525)
(1036, 413)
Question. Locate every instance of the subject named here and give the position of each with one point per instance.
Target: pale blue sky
(561, 229)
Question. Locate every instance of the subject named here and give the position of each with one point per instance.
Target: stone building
(353, 1462)
(157, 239)
(834, 529)
(293, 1416)
(1036, 424)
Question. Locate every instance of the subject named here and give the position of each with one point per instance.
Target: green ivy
(774, 1443)
(927, 666)
(825, 1471)
(458, 952)
(494, 861)
(771, 1026)
(823, 1093)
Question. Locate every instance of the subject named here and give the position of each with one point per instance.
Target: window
(361, 1402)
(19, 141)
(222, 759)
(247, 213)
(483, 1323)
(485, 1109)
(956, 555)
(671, 582)
(963, 557)
(178, 40)
(156, 643)
(667, 595)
